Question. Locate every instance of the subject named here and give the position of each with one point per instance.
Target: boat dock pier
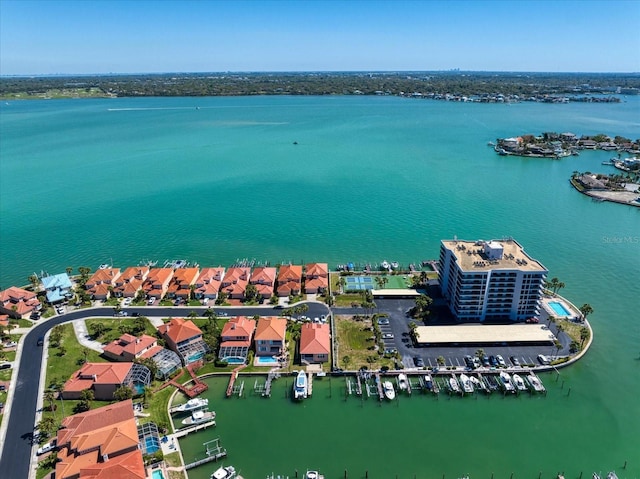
(349, 385)
(379, 387)
(188, 430)
(267, 385)
(310, 384)
(359, 384)
(231, 389)
(213, 453)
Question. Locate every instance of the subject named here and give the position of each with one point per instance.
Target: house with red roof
(104, 378)
(236, 337)
(128, 347)
(157, 282)
(100, 444)
(99, 284)
(185, 338)
(235, 282)
(315, 343)
(130, 281)
(270, 336)
(316, 278)
(208, 283)
(289, 280)
(18, 303)
(181, 282)
(263, 278)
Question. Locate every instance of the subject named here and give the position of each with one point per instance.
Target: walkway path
(80, 328)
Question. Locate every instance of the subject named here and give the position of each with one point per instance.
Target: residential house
(316, 278)
(157, 282)
(128, 347)
(99, 284)
(100, 444)
(166, 360)
(235, 282)
(58, 287)
(289, 280)
(270, 336)
(18, 303)
(263, 278)
(185, 338)
(236, 337)
(315, 343)
(104, 378)
(181, 282)
(208, 283)
(130, 282)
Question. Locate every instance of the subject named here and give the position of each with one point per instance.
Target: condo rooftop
(490, 255)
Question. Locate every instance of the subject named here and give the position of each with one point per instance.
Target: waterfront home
(185, 338)
(587, 144)
(208, 283)
(236, 336)
(128, 347)
(101, 443)
(58, 287)
(289, 280)
(157, 282)
(104, 378)
(315, 343)
(263, 278)
(181, 282)
(130, 281)
(235, 281)
(316, 278)
(490, 280)
(18, 303)
(270, 336)
(167, 361)
(101, 282)
(591, 182)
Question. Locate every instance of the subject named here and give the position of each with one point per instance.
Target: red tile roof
(158, 278)
(129, 344)
(22, 300)
(263, 275)
(316, 269)
(315, 339)
(290, 273)
(238, 327)
(180, 330)
(97, 373)
(107, 275)
(151, 352)
(208, 283)
(271, 329)
(182, 279)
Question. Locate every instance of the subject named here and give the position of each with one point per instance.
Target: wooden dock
(188, 430)
(379, 386)
(267, 385)
(358, 384)
(310, 384)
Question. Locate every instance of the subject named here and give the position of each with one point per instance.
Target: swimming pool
(157, 474)
(195, 357)
(559, 309)
(151, 445)
(267, 359)
(234, 360)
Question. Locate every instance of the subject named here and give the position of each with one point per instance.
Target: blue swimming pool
(195, 357)
(157, 474)
(267, 359)
(234, 360)
(559, 309)
(151, 446)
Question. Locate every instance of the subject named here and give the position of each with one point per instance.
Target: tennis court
(358, 283)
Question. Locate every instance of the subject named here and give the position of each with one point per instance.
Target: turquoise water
(267, 360)
(195, 357)
(559, 308)
(152, 445)
(87, 182)
(157, 474)
(234, 360)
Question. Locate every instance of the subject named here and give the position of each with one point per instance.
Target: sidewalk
(80, 328)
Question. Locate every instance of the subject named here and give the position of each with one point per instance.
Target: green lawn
(173, 459)
(115, 327)
(157, 409)
(354, 340)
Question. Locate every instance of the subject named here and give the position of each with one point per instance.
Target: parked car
(493, 361)
(515, 361)
(418, 361)
(501, 362)
(5, 365)
(383, 321)
(544, 360)
(46, 448)
(468, 360)
(485, 361)
(387, 336)
(205, 301)
(151, 301)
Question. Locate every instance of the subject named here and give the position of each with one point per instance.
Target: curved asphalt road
(16, 452)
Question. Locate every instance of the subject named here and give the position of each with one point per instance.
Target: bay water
(338, 179)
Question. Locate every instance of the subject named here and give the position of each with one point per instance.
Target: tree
(330, 300)
(222, 297)
(50, 397)
(273, 300)
(412, 329)
(149, 364)
(440, 360)
(422, 307)
(480, 353)
(97, 329)
(192, 314)
(62, 350)
(122, 393)
(342, 282)
(586, 310)
(584, 335)
(47, 426)
(69, 270)
(251, 293)
(346, 360)
(86, 396)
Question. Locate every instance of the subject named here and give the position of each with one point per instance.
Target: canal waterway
(85, 182)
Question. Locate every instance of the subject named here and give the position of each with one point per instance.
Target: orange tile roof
(129, 344)
(317, 269)
(107, 275)
(107, 431)
(131, 280)
(315, 339)
(290, 273)
(151, 352)
(316, 283)
(208, 275)
(236, 275)
(288, 288)
(158, 278)
(240, 326)
(271, 329)
(180, 330)
(22, 300)
(97, 373)
(263, 275)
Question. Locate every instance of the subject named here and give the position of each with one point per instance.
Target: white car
(127, 301)
(205, 301)
(500, 360)
(44, 449)
(151, 301)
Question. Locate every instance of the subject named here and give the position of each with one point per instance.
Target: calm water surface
(216, 179)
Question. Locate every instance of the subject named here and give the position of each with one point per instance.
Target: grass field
(354, 340)
(114, 327)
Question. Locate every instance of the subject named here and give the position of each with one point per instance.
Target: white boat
(453, 384)
(467, 385)
(313, 475)
(535, 383)
(198, 417)
(191, 405)
(227, 472)
(506, 382)
(300, 386)
(428, 382)
(385, 265)
(395, 265)
(477, 384)
(518, 382)
(403, 382)
(389, 392)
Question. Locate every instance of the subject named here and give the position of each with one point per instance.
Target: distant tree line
(455, 83)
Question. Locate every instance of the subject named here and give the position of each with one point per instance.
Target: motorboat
(535, 383)
(192, 405)
(506, 382)
(395, 265)
(477, 384)
(453, 384)
(467, 385)
(518, 382)
(385, 265)
(403, 382)
(224, 472)
(198, 417)
(389, 392)
(300, 386)
(313, 475)
(428, 382)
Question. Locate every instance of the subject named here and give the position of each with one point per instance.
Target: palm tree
(346, 360)
(69, 270)
(33, 279)
(440, 360)
(480, 353)
(50, 397)
(586, 310)
(47, 425)
(342, 282)
(584, 335)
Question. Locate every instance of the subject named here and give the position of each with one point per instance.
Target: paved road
(17, 448)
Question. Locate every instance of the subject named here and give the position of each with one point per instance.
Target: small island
(617, 188)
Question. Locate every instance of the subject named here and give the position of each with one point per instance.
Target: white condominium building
(490, 280)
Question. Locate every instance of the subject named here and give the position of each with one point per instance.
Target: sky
(154, 36)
